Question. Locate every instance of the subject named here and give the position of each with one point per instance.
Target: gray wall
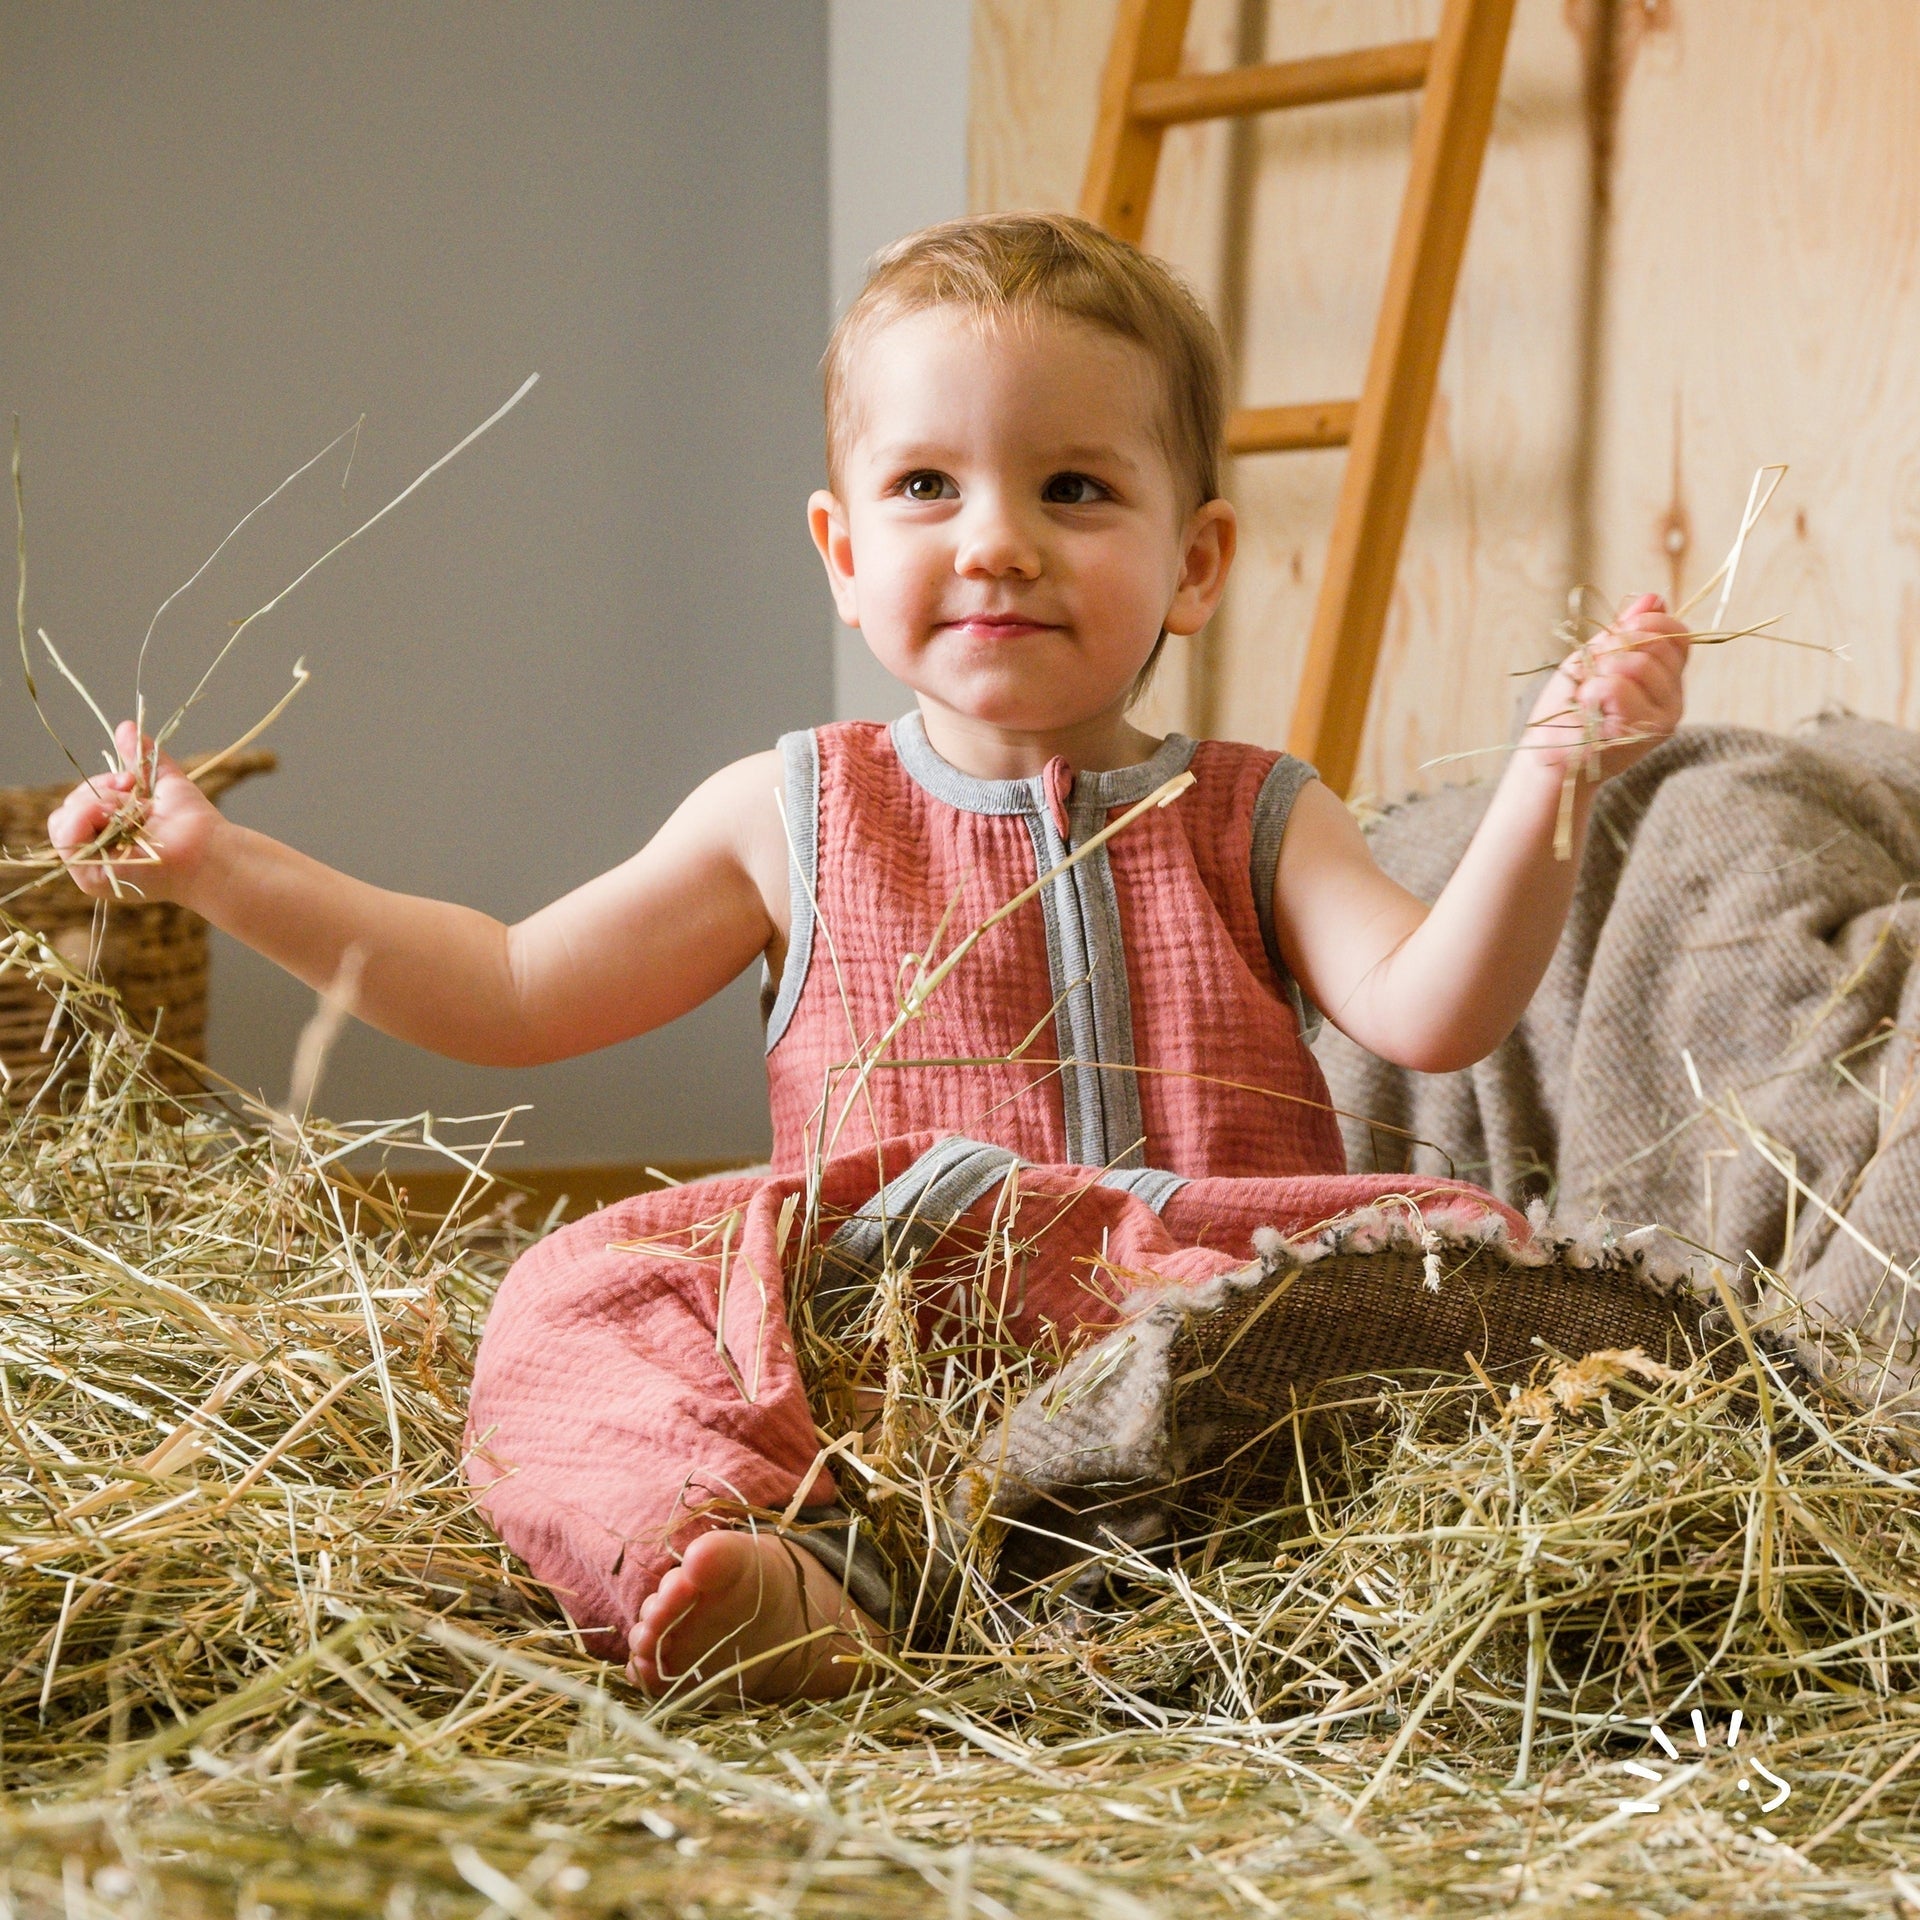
(228, 230)
(898, 146)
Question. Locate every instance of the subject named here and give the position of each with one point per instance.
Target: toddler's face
(1009, 534)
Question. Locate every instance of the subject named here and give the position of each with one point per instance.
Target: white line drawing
(1773, 1780)
(1659, 1735)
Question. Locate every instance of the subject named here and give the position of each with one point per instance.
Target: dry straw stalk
(258, 1651)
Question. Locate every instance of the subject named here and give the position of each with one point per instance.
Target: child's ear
(1207, 557)
(827, 521)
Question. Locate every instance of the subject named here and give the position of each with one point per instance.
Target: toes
(723, 1602)
(667, 1603)
(714, 1562)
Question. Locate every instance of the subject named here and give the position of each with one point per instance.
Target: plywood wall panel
(1609, 385)
(1762, 302)
(1485, 564)
(1032, 93)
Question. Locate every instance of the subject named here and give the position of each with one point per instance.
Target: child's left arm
(1437, 988)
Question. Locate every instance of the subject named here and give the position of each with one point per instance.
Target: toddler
(1024, 423)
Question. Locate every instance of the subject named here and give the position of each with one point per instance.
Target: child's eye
(928, 486)
(1073, 490)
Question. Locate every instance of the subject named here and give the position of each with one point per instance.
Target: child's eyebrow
(1091, 453)
(908, 453)
(934, 453)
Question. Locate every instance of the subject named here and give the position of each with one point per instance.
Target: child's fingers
(1614, 673)
(1640, 620)
(1658, 670)
(138, 751)
(114, 786)
(1649, 683)
(1624, 709)
(67, 823)
(71, 830)
(1654, 648)
(83, 814)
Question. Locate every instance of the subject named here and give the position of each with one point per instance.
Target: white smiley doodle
(1783, 1792)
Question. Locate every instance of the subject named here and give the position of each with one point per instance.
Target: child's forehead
(953, 362)
(1035, 337)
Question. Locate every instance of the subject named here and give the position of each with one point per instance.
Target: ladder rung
(1319, 423)
(1398, 67)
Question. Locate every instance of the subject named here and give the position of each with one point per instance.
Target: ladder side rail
(1390, 421)
(1125, 156)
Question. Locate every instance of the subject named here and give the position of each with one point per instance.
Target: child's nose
(995, 542)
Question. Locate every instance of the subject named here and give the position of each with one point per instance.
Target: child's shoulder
(1240, 763)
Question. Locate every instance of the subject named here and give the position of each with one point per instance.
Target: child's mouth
(997, 626)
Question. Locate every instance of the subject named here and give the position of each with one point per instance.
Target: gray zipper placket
(1086, 949)
(1093, 1012)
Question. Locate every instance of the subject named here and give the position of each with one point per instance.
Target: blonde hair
(1010, 266)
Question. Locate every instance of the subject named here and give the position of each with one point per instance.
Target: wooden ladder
(1143, 93)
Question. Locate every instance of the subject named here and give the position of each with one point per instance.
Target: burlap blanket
(1724, 1042)
(1216, 1391)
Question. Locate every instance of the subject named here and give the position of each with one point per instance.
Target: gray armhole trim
(1271, 811)
(1154, 1186)
(800, 760)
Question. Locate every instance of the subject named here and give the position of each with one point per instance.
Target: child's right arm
(626, 952)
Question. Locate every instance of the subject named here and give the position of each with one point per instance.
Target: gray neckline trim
(1118, 787)
(1086, 948)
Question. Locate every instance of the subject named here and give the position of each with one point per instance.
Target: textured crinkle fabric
(1225, 1083)
(636, 1382)
(1746, 918)
(1128, 1036)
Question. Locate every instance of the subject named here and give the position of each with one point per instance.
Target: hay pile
(259, 1655)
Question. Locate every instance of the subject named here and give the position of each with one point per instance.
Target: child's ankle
(754, 1615)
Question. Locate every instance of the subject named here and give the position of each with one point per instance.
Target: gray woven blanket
(1734, 1001)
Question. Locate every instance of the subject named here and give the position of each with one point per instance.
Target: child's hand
(1614, 699)
(175, 823)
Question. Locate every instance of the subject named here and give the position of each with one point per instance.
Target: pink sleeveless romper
(1128, 1044)
(1135, 1015)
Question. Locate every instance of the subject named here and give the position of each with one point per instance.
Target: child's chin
(991, 701)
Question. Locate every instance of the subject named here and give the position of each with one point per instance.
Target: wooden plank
(1389, 430)
(1367, 72)
(1781, 326)
(1033, 91)
(1118, 188)
(1291, 429)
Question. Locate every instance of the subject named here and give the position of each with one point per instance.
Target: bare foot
(750, 1597)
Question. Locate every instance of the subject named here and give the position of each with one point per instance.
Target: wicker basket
(152, 953)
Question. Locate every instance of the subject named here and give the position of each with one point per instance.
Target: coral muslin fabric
(1226, 1084)
(637, 1368)
(618, 1394)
